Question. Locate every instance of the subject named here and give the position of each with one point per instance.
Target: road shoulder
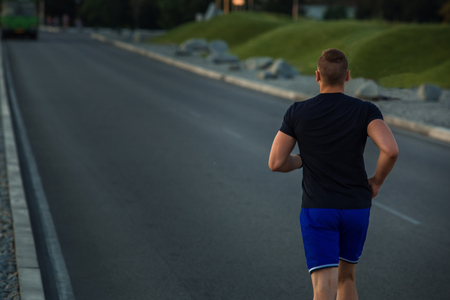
(30, 282)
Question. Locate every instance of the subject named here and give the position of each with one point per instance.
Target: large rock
(265, 75)
(218, 46)
(282, 69)
(223, 58)
(234, 67)
(368, 91)
(353, 85)
(429, 92)
(193, 45)
(180, 52)
(258, 63)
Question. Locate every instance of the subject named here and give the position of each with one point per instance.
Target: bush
(365, 10)
(278, 6)
(335, 12)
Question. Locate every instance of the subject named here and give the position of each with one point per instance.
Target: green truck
(19, 17)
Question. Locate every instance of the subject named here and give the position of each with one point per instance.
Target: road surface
(158, 184)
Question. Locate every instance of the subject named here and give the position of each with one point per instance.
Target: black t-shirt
(331, 131)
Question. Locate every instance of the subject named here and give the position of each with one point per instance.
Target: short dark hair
(333, 67)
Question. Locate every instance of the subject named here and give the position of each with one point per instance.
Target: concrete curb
(291, 95)
(30, 281)
(261, 87)
(438, 133)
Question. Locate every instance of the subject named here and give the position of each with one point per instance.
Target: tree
(136, 6)
(279, 6)
(368, 9)
(175, 12)
(295, 10)
(399, 10)
(60, 7)
(335, 12)
(410, 10)
(106, 13)
(149, 15)
(444, 12)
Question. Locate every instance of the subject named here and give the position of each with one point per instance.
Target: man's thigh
(353, 232)
(320, 232)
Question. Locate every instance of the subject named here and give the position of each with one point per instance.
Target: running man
(331, 130)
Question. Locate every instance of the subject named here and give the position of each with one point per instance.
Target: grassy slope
(235, 28)
(406, 55)
(395, 55)
(302, 43)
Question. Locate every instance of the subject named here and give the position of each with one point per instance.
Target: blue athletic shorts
(333, 234)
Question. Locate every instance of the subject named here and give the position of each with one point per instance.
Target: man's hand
(382, 136)
(374, 187)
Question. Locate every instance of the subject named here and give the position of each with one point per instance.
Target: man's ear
(317, 75)
(347, 77)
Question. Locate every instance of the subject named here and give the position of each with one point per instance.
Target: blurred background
(398, 43)
(156, 176)
(166, 14)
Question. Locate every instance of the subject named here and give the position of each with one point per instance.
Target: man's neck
(332, 89)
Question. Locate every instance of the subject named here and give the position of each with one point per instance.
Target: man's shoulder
(298, 105)
(317, 101)
(304, 103)
(334, 97)
(354, 99)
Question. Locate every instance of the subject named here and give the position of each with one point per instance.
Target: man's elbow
(274, 165)
(393, 153)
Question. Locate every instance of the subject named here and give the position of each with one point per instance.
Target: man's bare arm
(281, 159)
(382, 136)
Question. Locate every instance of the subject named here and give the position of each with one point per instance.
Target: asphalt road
(158, 184)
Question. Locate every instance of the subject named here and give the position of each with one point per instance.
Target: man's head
(332, 68)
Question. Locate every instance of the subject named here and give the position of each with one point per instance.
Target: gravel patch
(402, 103)
(9, 281)
(409, 107)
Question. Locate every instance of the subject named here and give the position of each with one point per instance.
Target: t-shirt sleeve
(373, 113)
(287, 126)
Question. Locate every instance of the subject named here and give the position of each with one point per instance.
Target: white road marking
(396, 213)
(232, 133)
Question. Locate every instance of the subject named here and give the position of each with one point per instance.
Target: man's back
(331, 130)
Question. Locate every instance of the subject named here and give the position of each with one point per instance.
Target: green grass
(406, 56)
(439, 75)
(401, 55)
(302, 43)
(235, 28)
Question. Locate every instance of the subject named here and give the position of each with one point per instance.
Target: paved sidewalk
(9, 280)
(19, 268)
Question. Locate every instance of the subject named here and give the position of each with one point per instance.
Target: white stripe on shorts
(323, 266)
(348, 260)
